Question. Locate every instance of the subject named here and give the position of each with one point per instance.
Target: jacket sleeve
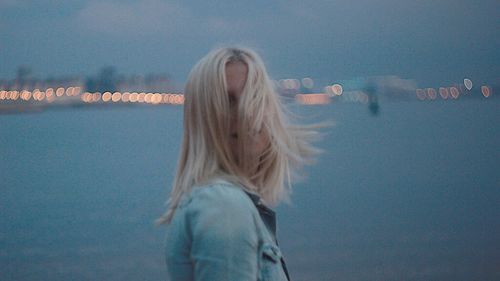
(223, 234)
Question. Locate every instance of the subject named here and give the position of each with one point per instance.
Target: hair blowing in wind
(206, 145)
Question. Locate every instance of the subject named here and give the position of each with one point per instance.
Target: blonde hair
(206, 154)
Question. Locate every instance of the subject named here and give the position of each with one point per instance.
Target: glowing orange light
(2, 94)
(22, 95)
(116, 96)
(454, 92)
(96, 97)
(77, 90)
(337, 89)
(69, 91)
(60, 92)
(106, 96)
(443, 92)
(156, 98)
(133, 97)
(49, 93)
(140, 97)
(312, 98)
(164, 98)
(431, 93)
(486, 91)
(170, 98)
(147, 97)
(14, 95)
(36, 94)
(126, 97)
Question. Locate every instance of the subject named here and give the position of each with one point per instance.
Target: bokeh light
(116, 96)
(431, 93)
(334, 90)
(307, 82)
(147, 97)
(96, 97)
(443, 92)
(14, 95)
(140, 97)
(126, 97)
(77, 90)
(49, 93)
(156, 98)
(133, 97)
(85, 97)
(312, 99)
(420, 94)
(106, 96)
(468, 84)
(60, 92)
(485, 90)
(289, 84)
(36, 94)
(454, 92)
(70, 91)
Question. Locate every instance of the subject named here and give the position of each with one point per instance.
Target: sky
(433, 42)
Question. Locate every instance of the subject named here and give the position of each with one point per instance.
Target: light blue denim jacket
(221, 232)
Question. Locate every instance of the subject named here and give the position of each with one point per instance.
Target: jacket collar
(267, 215)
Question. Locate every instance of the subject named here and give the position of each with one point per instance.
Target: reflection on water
(410, 194)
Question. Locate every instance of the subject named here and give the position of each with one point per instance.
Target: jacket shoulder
(220, 194)
(221, 212)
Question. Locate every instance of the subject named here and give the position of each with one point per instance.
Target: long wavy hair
(206, 154)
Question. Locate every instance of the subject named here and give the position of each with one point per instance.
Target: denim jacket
(221, 232)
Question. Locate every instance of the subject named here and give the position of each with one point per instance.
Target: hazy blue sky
(439, 41)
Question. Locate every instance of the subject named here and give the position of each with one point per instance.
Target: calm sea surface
(410, 194)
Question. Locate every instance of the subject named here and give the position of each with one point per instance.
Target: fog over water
(410, 194)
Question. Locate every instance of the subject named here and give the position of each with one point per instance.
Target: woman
(238, 154)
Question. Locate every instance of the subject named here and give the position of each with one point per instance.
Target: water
(411, 194)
